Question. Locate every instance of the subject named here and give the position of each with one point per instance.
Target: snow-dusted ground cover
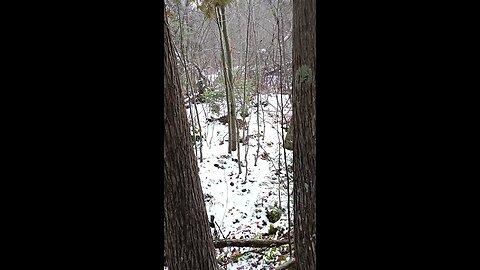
(239, 201)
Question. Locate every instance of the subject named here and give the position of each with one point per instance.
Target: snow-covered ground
(239, 201)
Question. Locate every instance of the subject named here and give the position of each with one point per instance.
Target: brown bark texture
(188, 240)
(304, 143)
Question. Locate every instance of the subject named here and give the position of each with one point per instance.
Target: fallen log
(249, 243)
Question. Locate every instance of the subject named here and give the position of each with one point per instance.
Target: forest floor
(240, 202)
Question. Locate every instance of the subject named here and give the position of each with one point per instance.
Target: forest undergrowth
(253, 204)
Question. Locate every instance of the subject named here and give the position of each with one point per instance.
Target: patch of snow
(238, 203)
(212, 77)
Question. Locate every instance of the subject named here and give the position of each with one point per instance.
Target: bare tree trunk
(228, 77)
(225, 77)
(200, 133)
(244, 101)
(257, 92)
(239, 161)
(246, 70)
(232, 123)
(281, 49)
(188, 241)
(304, 143)
(190, 93)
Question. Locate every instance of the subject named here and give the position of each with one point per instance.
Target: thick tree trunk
(304, 144)
(188, 240)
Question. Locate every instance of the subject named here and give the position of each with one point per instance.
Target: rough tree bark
(304, 144)
(188, 240)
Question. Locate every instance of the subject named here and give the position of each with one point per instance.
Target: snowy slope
(239, 201)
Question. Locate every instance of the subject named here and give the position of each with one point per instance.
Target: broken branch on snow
(249, 243)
